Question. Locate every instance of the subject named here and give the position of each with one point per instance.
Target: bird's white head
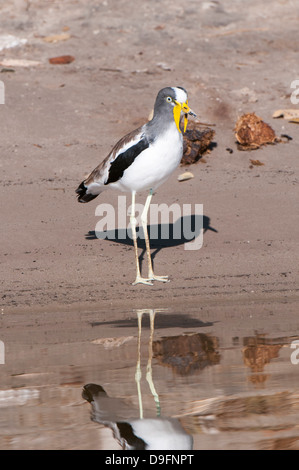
(172, 101)
(181, 106)
(180, 94)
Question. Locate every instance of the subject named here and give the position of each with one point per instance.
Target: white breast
(155, 164)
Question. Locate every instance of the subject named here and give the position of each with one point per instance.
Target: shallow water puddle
(150, 377)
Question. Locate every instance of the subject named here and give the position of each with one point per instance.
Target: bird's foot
(153, 277)
(142, 280)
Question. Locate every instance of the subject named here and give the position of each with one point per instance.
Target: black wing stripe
(126, 432)
(124, 160)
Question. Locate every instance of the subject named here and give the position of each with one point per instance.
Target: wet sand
(225, 373)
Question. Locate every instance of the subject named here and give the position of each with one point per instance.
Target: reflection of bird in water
(143, 160)
(137, 433)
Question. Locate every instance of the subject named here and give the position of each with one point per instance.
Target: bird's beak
(182, 108)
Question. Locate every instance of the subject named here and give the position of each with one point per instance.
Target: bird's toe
(142, 280)
(153, 277)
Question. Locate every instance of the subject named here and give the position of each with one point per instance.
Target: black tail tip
(81, 191)
(82, 196)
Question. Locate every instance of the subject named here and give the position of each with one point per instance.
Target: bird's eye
(169, 99)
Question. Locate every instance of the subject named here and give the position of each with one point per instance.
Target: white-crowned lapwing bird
(135, 433)
(143, 160)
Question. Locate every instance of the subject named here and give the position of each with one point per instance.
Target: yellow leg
(151, 275)
(149, 374)
(139, 279)
(138, 373)
(138, 368)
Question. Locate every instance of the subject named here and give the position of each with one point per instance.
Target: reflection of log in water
(188, 353)
(258, 351)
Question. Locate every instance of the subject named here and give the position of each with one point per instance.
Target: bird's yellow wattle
(177, 115)
(179, 107)
(185, 122)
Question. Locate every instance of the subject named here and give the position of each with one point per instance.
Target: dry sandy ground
(59, 121)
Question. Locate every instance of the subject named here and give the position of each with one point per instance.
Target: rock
(185, 176)
(196, 143)
(252, 132)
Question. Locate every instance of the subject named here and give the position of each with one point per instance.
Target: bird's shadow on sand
(162, 321)
(187, 229)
